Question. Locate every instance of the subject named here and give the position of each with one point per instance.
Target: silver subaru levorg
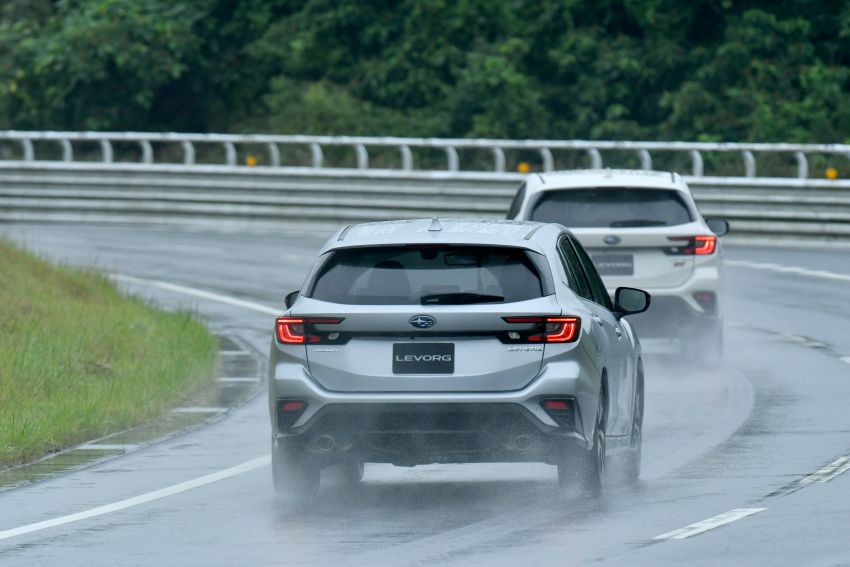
(454, 341)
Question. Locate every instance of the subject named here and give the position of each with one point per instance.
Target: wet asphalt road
(745, 435)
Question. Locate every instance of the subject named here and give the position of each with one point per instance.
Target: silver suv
(454, 341)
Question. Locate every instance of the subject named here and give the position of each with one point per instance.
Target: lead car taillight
(548, 329)
(692, 245)
(301, 330)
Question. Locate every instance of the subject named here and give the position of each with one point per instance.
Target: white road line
(212, 296)
(200, 409)
(828, 472)
(710, 523)
(235, 380)
(840, 470)
(234, 353)
(790, 270)
(107, 447)
(845, 359)
(138, 500)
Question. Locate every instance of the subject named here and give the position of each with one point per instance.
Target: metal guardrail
(39, 183)
(759, 209)
(359, 146)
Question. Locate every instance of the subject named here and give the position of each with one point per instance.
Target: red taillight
(555, 329)
(293, 330)
(290, 330)
(693, 245)
(561, 329)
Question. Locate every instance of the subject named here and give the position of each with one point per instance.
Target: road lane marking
(234, 353)
(790, 270)
(825, 472)
(710, 523)
(845, 359)
(837, 471)
(203, 294)
(245, 467)
(235, 380)
(200, 409)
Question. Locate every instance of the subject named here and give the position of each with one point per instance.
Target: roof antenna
(435, 225)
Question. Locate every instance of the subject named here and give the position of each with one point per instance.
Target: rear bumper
(422, 433)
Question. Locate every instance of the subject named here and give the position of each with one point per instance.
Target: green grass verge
(78, 360)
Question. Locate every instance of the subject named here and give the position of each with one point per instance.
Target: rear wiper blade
(637, 222)
(460, 298)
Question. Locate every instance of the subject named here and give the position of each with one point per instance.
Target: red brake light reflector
(291, 406)
(556, 405)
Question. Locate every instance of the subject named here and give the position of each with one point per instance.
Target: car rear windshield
(612, 207)
(429, 275)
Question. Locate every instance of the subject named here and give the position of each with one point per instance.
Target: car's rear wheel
(596, 461)
(636, 449)
(295, 477)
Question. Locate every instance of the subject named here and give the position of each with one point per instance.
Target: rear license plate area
(614, 264)
(423, 358)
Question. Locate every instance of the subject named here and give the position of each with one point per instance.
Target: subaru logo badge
(611, 240)
(422, 321)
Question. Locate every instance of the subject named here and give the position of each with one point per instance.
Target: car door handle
(619, 333)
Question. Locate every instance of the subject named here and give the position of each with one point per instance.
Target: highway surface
(743, 463)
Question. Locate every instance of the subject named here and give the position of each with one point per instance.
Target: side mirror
(290, 298)
(630, 301)
(720, 227)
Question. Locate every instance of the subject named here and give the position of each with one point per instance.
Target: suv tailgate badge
(422, 321)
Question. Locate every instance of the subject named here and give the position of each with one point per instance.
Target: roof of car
(606, 178)
(441, 231)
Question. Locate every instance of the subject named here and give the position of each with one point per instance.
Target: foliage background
(715, 70)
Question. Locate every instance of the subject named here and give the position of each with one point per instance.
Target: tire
(293, 475)
(595, 461)
(636, 451)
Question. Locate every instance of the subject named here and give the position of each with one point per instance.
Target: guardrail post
(452, 158)
(595, 158)
(802, 165)
(317, 155)
(645, 160)
(147, 151)
(106, 150)
(28, 150)
(406, 158)
(230, 153)
(362, 156)
(188, 152)
(696, 164)
(67, 150)
(749, 163)
(548, 160)
(274, 155)
(498, 160)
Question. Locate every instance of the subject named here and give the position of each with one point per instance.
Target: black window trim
(608, 304)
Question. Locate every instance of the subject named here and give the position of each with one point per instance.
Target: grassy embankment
(78, 360)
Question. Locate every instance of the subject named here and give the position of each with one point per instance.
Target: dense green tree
(650, 69)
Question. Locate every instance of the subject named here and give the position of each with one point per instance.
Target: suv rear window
(430, 275)
(612, 207)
